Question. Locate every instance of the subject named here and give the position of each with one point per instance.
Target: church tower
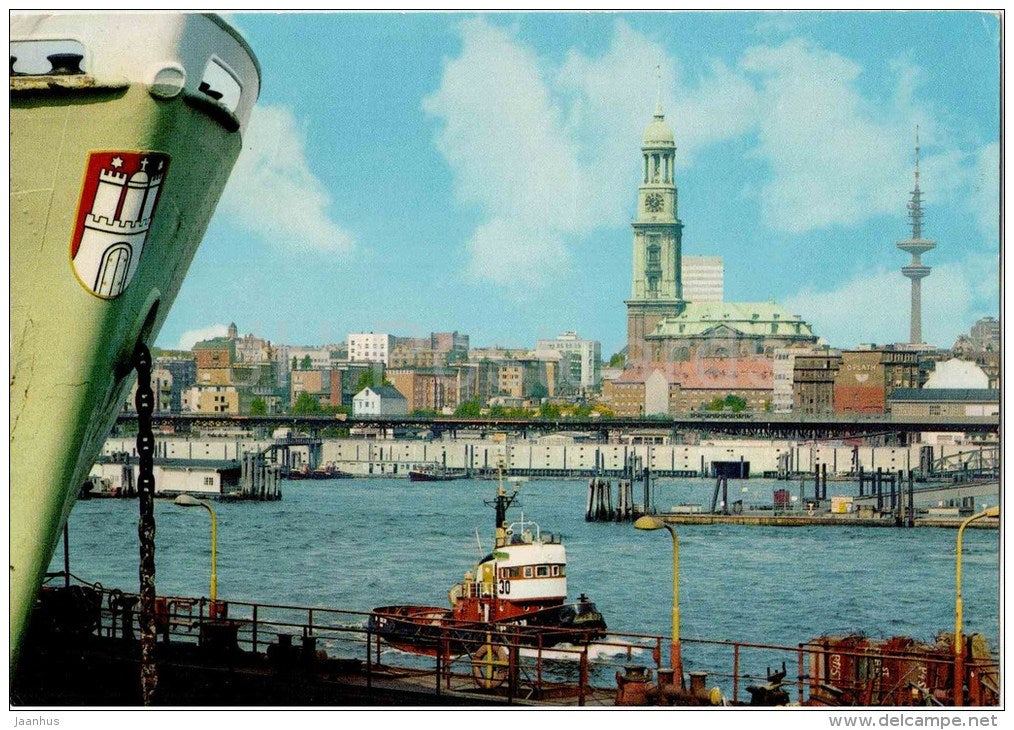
(656, 285)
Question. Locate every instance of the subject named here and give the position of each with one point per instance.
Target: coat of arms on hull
(118, 202)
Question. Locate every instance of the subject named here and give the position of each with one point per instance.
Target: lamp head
(648, 522)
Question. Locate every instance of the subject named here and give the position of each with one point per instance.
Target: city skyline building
(703, 278)
(916, 271)
(370, 347)
(583, 358)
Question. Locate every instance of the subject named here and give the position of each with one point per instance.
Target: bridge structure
(756, 425)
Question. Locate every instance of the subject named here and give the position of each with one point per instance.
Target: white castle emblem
(111, 234)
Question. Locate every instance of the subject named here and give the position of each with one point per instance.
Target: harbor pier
(82, 650)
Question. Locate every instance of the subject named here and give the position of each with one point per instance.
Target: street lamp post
(649, 522)
(185, 500)
(959, 642)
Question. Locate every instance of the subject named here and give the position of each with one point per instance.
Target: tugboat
(520, 587)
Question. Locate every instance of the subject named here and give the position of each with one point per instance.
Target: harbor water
(360, 543)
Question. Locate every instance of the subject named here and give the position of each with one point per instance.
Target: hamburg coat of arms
(118, 202)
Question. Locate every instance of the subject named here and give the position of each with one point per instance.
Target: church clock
(653, 202)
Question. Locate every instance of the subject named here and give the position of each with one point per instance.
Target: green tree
(469, 409)
(539, 391)
(295, 363)
(618, 360)
(306, 363)
(258, 407)
(734, 403)
(366, 380)
(549, 411)
(603, 410)
(306, 405)
(716, 404)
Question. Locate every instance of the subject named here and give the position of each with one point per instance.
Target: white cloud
(511, 156)
(191, 337)
(880, 302)
(836, 157)
(552, 148)
(505, 252)
(273, 192)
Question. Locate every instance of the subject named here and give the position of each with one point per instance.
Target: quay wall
(392, 457)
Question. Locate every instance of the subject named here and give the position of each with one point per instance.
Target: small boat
(329, 471)
(433, 473)
(321, 472)
(518, 590)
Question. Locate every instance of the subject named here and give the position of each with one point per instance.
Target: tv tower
(916, 245)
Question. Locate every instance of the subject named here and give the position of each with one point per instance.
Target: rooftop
(750, 318)
(976, 395)
(386, 391)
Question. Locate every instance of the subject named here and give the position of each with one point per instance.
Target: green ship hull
(71, 338)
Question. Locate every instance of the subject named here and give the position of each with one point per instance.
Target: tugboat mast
(503, 501)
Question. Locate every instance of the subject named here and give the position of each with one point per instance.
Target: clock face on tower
(653, 202)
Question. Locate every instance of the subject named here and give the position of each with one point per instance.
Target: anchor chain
(144, 401)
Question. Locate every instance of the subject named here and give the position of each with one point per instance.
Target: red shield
(119, 199)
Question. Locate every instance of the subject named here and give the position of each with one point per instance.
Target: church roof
(749, 318)
(743, 373)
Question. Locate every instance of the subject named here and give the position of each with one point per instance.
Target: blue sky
(417, 172)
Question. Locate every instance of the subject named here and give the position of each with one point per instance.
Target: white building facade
(703, 278)
(588, 351)
(370, 347)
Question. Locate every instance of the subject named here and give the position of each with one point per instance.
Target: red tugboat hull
(422, 629)
(412, 629)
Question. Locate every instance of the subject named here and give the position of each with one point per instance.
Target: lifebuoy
(489, 665)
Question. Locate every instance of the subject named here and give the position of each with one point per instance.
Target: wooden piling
(911, 499)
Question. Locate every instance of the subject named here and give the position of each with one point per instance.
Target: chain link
(144, 401)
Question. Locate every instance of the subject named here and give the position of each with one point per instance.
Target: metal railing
(515, 664)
